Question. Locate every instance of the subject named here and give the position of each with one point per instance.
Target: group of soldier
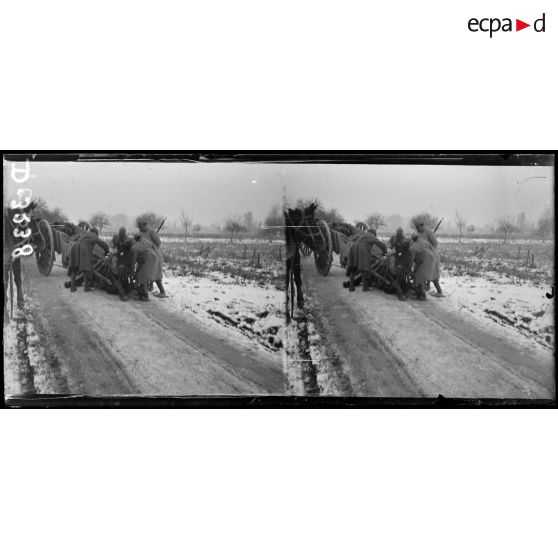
(416, 257)
(138, 259)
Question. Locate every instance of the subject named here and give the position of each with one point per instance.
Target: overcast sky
(209, 192)
(481, 194)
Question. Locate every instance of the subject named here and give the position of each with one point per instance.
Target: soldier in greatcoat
(82, 256)
(422, 256)
(429, 236)
(151, 236)
(365, 248)
(143, 261)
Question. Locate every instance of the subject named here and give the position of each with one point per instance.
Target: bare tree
(196, 228)
(507, 226)
(461, 223)
(376, 220)
(233, 223)
(331, 215)
(58, 215)
(40, 207)
(186, 223)
(99, 220)
(41, 211)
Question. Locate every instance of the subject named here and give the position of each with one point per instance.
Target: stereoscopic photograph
(379, 276)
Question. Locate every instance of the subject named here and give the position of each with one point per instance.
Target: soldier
(82, 256)
(143, 256)
(363, 250)
(124, 268)
(151, 236)
(421, 255)
(428, 236)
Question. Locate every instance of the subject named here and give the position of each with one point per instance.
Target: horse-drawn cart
(48, 240)
(326, 240)
(305, 234)
(42, 242)
(390, 271)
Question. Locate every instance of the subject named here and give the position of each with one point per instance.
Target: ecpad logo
(493, 25)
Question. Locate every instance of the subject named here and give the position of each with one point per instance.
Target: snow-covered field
(233, 287)
(170, 239)
(521, 309)
(239, 285)
(503, 284)
(255, 311)
(500, 286)
(240, 288)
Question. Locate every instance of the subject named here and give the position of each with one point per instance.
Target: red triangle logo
(519, 25)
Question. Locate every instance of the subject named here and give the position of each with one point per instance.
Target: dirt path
(390, 348)
(95, 344)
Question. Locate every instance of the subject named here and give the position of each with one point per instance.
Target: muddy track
(27, 372)
(391, 348)
(309, 370)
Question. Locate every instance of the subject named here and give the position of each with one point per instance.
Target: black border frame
(401, 157)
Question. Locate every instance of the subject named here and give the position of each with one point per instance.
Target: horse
(301, 228)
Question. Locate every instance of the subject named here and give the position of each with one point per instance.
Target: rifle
(161, 225)
(434, 231)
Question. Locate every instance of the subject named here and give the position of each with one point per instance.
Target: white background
(323, 74)
(283, 75)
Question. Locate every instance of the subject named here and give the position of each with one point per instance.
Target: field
(237, 284)
(524, 261)
(502, 283)
(219, 331)
(491, 335)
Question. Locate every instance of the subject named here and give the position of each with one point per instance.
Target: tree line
(459, 223)
(233, 225)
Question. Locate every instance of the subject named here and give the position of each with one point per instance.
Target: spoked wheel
(324, 256)
(44, 247)
(305, 250)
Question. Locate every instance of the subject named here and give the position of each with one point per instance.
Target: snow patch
(256, 312)
(503, 302)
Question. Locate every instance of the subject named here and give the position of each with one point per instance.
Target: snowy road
(384, 347)
(92, 343)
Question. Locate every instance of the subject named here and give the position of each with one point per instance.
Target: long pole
(438, 225)
(161, 225)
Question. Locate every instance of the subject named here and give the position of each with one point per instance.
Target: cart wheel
(324, 256)
(44, 247)
(305, 250)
